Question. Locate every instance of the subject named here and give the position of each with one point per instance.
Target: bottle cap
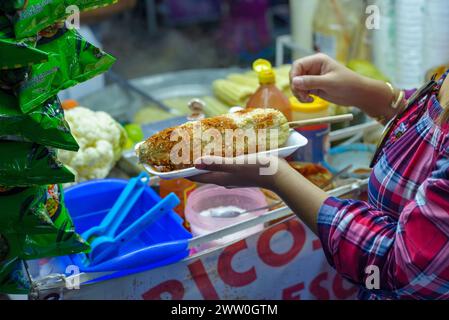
(265, 71)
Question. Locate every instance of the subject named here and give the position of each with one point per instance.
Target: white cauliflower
(101, 140)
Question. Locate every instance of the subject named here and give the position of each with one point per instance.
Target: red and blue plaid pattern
(404, 228)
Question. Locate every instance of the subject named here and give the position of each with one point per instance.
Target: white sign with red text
(284, 261)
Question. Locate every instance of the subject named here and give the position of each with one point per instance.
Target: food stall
(276, 248)
(96, 208)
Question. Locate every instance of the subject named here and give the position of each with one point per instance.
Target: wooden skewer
(325, 120)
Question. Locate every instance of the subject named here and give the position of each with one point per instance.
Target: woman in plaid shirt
(403, 229)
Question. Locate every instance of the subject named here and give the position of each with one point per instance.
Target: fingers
(303, 86)
(307, 77)
(219, 164)
(219, 178)
(243, 164)
(311, 65)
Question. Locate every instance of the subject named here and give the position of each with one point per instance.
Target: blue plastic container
(89, 202)
(358, 155)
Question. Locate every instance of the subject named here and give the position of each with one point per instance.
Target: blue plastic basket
(89, 202)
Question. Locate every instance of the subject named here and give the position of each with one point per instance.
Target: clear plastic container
(211, 196)
(334, 24)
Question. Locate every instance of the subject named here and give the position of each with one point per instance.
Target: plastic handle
(154, 214)
(115, 221)
(104, 248)
(142, 257)
(120, 209)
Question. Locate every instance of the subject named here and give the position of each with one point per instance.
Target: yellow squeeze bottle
(268, 95)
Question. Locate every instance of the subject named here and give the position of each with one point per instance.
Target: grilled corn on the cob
(159, 150)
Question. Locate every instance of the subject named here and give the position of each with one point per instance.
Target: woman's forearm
(303, 197)
(374, 98)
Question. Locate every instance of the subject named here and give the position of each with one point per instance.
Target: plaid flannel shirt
(404, 228)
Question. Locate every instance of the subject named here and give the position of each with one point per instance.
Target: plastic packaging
(318, 135)
(24, 164)
(53, 235)
(33, 209)
(13, 276)
(268, 95)
(31, 16)
(44, 125)
(71, 60)
(19, 54)
(16, 54)
(12, 5)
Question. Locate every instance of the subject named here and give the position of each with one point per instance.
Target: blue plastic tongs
(126, 201)
(107, 247)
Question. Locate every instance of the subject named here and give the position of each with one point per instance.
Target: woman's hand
(256, 171)
(304, 198)
(322, 76)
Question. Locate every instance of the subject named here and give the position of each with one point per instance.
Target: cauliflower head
(101, 140)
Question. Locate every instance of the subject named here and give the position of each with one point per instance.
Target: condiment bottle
(182, 188)
(268, 95)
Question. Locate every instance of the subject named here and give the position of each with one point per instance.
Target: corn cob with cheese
(158, 149)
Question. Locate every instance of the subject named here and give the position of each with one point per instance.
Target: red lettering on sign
(340, 291)
(292, 293)
(202, 281)
(273, 259)
(227, 273)
(173, 287)
(319, 291)
(316, 244)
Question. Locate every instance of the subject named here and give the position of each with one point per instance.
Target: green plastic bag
(12, 5)
(24, 164)
(11, 79)
(30, 210)
(13, 276)
(55, 239)
(17, 54)
(44, 125)
(36, 15)
(71, 60)
(6, 30)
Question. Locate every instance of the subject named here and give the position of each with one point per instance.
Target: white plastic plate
(294, 142)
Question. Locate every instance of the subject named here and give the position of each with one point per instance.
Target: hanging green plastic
(44, 125)
(24, 164)
(30, 210)
(12, 5)
(55, 239)
(13, 276)
(17, 54)
(30, 17)
(71, 60)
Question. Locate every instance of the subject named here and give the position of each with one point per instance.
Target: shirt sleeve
(411, 253)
